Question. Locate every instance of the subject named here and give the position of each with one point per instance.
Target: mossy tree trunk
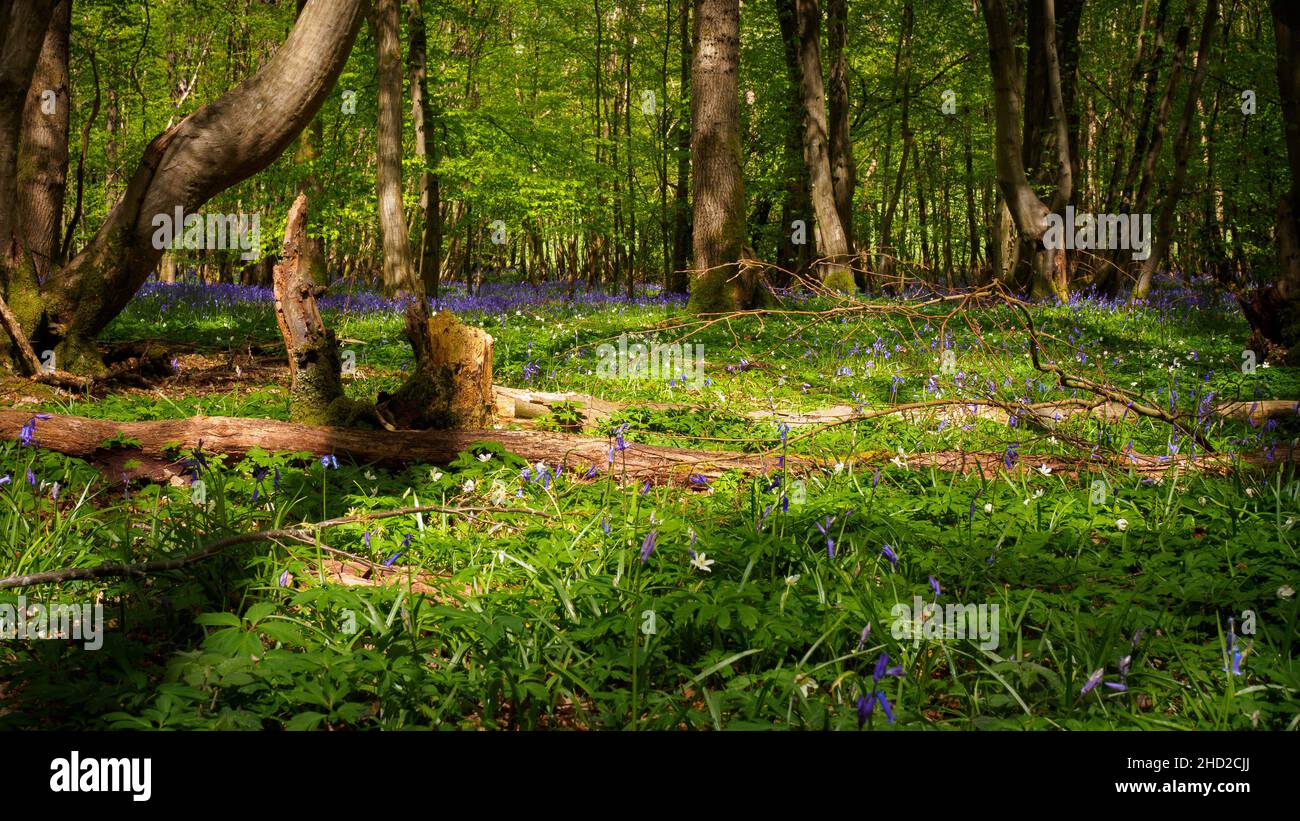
(719, 282)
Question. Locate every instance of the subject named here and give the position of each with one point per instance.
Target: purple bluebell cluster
(491, 299)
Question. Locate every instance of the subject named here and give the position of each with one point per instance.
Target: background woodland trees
(553, 138)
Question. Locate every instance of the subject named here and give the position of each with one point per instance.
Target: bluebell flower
(26, 432)
(867, 703)
(1237, 655)
(889, 553)
(1009, 457)
(824, 526)
(934, 585)
(648, 545)
(862, 640)
(328, 461)
(1092, 681)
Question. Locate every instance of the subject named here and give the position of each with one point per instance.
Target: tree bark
(23, 28)
(315, 383)
(1028, 211)
(832, 241)
(1182, 148)
(43, 150)
(719, 281)
(385, 24)
(156, 454)
(843, 169)
(219, 145)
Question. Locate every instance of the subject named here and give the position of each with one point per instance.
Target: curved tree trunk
(219, 145)
(1029, 212)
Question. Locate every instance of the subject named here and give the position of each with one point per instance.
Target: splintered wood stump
(451, 387)
(316, 384)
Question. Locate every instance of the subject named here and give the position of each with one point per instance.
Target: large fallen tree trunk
(154, 450)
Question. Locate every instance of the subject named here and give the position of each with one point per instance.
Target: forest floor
(1101, 555)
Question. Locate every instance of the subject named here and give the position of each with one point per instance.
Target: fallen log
(523, 403)
(153, 450)
(149, 450)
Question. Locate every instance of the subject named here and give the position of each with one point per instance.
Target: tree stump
(316, 385)
(451, 387)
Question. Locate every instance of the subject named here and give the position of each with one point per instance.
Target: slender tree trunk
(794, 253)
(427, 149)
(1029, 212)
(832, 241)
(972, 224)
(311, 248)
(680, 279)
(903, 69)
(399, 271)
(1159, 244)
(843, 169)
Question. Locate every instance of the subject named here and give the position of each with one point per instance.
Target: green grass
(543, 617)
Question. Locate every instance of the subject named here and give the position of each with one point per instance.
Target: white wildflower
(702, 563)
